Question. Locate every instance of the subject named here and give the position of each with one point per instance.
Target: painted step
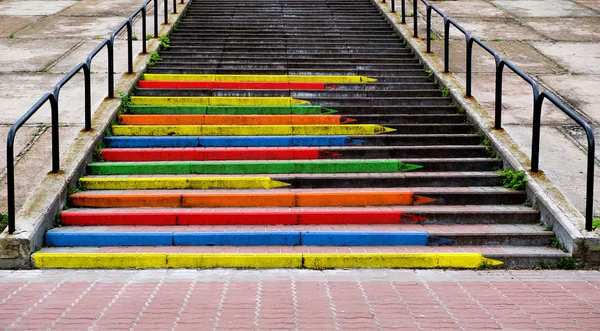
(293, 141)
(344, 180)
(298, 93)
(233, 119)
(303, 235)
(249, 167)
(468, 214)
(261, 130)
(297, 197)
(232, 110)
(439, 158)
(306, 257)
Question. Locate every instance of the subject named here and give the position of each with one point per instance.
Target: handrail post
(428, 11)
(88, 97)
(143, 29)
(403, 11)
(166, 2)
(393, 6)
(129, 47)
(589, 202)
(174, 6)
(446, 44)
(415, 17)
(469, 65)
(155, 18)
(111, 69)
(498, 99)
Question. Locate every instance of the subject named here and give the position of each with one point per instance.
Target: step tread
(432, 229)
(488, 251)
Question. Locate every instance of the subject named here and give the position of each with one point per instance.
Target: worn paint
(132, 183)
(260, 260)
(258, 78)
(248, 130)
(232, 119)
(257, 199)
(233, 110)
(249, 167)
(216, 101)
(208, 154)
(224, 141)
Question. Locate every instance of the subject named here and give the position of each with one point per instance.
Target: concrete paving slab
(98, 8)
(26, 55)
(33, 7)
(100, 62)
(71, 27)
(546, 8)
(581, 91)
(592, 4)
(517, 100)
(569, 29)
(476, 8)
(35, 164)
(24, 136)
(561, 160)
(15, 102)
(497, 29)
(580, 58)
(523, 55)
(12, 24)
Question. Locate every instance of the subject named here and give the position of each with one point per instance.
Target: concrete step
(302, 235)
(435, 158)
(283, 197)
(423, 214)
(306, 257)
(287, 141)
(343, 180)
(298, 94)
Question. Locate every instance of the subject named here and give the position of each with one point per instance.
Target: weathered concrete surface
(40, 41)
(556, 43)
(53, 45)
(560, 186)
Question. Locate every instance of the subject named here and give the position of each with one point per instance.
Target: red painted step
(207, 216)
(236, 85)
(214, 154)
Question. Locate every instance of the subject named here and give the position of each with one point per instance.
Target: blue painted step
(226, 141)
(288, 238)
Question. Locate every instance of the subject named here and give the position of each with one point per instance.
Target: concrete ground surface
(299, 300)
(40, 42)
(557, 43)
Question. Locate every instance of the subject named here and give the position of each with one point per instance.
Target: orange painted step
(244, 199)
(233, 119)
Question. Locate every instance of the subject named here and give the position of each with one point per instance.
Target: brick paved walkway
(299, 299)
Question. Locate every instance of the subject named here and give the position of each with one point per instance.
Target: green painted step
(249, 167)
(231, 110)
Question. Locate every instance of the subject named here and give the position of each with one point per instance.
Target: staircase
(293, 134)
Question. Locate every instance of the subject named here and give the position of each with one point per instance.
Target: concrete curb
(38, 212)
(555, 210)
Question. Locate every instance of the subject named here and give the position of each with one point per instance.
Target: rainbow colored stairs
(296, 134)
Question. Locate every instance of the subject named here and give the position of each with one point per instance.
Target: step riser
(330, 94)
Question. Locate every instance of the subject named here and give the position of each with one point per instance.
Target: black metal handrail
(538, 98)
(535, 149)
(54, 97)
(10, 141)
(488, 49)
(121, 26)
(499, 76)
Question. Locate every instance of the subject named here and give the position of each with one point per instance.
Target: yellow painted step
(249, 130)
(259, 78)
(216, 101)
(261, 260)
(203, 183)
